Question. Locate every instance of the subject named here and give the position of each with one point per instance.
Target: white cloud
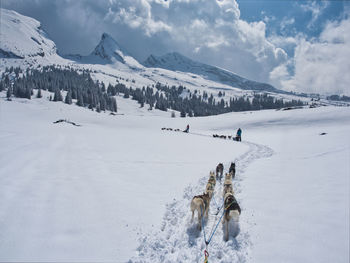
(320, 66)
(286, 22)
(136, 14)
(207, 30)
(268, 19)
(316, 9)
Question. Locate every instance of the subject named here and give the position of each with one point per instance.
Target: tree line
(79, 87)
(95, 95)
(191, 104)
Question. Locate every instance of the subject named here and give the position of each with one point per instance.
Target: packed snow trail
(178, 240)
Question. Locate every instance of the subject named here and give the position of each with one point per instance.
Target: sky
(301, 46)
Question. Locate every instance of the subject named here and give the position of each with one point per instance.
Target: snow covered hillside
(177, 62)
(118, 188)
(22, 37)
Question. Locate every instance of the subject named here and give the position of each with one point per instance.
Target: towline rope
(206, 253)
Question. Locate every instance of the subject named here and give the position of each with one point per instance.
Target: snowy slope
(22, 36)
(293, 187)
(84, 193)
(177, 62)
(118, 188)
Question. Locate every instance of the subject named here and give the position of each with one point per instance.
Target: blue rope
(221, 207)
(212, 233)
(215, 202)
(205, 239)
(215, 228)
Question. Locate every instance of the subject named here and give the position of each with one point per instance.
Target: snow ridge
(176, 62)
(178, 240)
(22, 36)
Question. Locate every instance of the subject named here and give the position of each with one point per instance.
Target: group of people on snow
(238, 133)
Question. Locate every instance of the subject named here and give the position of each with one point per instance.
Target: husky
(232, 211)
(228, 177)
(232, 170)
(212, 178)
(227, 188)
(219, 171)
(209, 189)
(201, 204)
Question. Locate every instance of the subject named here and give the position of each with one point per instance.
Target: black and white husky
(232, 212)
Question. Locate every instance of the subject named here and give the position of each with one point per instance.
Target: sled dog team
(200, 203)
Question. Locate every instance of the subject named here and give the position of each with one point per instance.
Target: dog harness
(231, 204)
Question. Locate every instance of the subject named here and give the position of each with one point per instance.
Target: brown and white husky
(210, 185)
(200, 203)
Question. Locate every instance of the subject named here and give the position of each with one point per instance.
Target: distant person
(238, 135)
(187, 128)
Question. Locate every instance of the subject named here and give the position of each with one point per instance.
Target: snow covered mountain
(108, 51)
(24, 44)
(22, 37)
(177, 62)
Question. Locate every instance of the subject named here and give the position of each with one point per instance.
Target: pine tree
(9, 93)
(80, 101)
(114, 105)
(28, 93)
(38, 95)
(57, 95)
(68, 99)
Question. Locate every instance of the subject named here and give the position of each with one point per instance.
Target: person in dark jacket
(187, 128)
(238, 135)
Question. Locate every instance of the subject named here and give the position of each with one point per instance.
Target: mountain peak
(108, 49)
(106, 36)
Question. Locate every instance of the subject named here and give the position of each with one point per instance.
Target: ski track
(178, 240)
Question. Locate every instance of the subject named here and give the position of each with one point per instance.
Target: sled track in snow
(178, 240)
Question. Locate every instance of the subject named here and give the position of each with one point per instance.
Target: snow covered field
(118, 188)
